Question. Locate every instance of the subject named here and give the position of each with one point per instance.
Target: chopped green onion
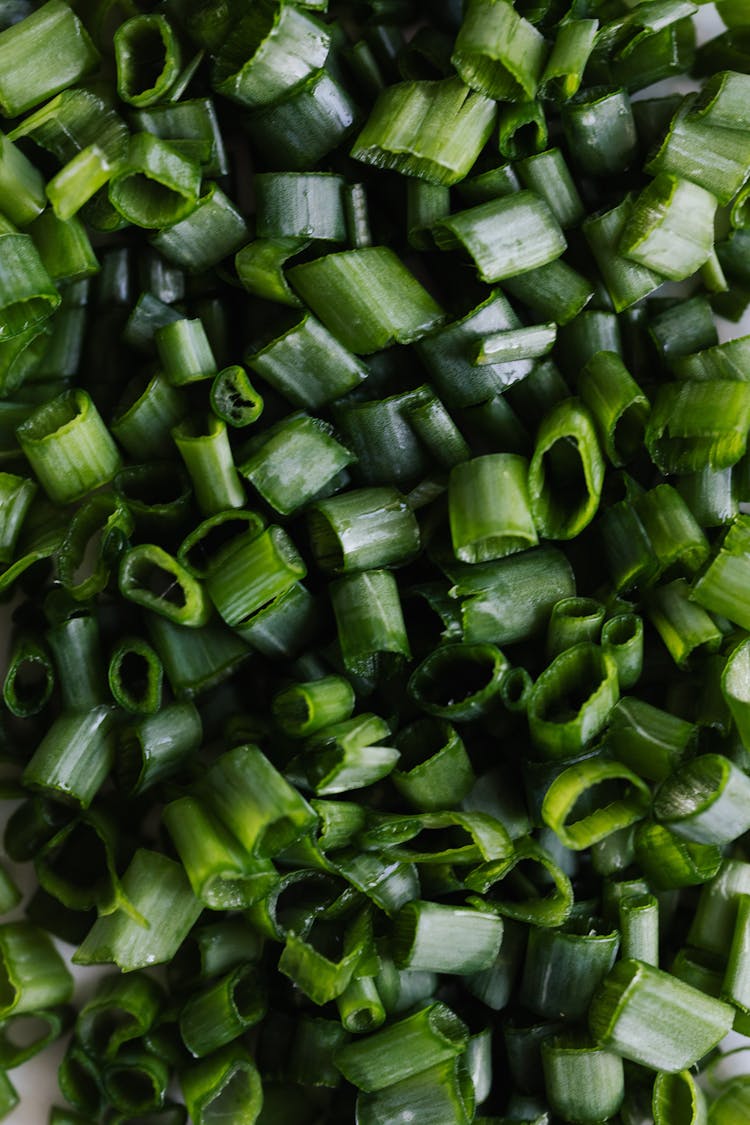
(69, 447)
(684, 626)
(600, 130)
(506, 236)
(563, 969)
(154, 579)
(566, 471)
(308, 365)
(670, 229)
(445, 939)
(433, 130)
(511, 599)
(226, 1083)
(498, 52)
(705, 800)
(370, 622)
(212, 231)
(204, 446)
(74, 757)
(406, 1048)
(159, 892)
(223, 1011)
(566, 63)
(41, 54)
(268, 54)
(148, 58)
(583, 1081)
(654, 1019)
(363, 529)
(156, 746)
(367, 298)
(572, 621)
(489, 508)
(650, 741)
(571, 700)
(624, 803)
(294, 461)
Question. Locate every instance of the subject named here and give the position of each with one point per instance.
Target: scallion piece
(432, 130)
(441, 938)
(148, 58)
(511, 599)
(363, 529)
(406, 1048)
(566, 63)
(192, 126)
(347, 755)
(304, 709)
(600, 130)
(158, 890)
(674, 534)
(41, 54)
(367, 298)
(268, 54)
(528, 887)
(22, 195)
(294, 461)
(308, 365)
(498, 52)
(154, 579)
(34, 974)
(233, 397)
(323, 962)
(654, 1019)
(444, 1093)
(506, 236)
(694, 425)
(572, 621)
(212, 231)
(370, 622)
(69, 447)
(563, 969)
(489, 508)
(101, 527)
(713, 158)
(571, 700)
(626, 281)
(255, 802)
(625, 800)
(670, 229)
(459, 682)
(154, 186)
(704, 800)
(204, 446)
(302, 127)
(223, 1011)
(156, 746)
(434, 770)
(447, 353)
(74, 757)
(683, 625)
(566, 472)
(720, 588)
(648, 740)
(30, 678)
(225, 1083)
(124, 1008)
(135, 676)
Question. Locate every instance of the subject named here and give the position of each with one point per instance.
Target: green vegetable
(375, 561)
